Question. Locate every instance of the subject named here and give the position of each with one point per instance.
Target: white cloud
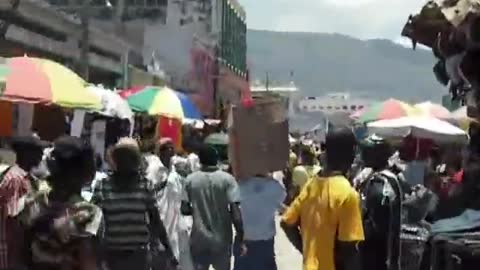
(348, 3)
(358, 18)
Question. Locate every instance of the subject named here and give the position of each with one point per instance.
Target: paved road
(288, 258)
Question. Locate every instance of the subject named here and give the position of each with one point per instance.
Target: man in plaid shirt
(15, 186)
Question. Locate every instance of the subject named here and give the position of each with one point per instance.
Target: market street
(287, 257)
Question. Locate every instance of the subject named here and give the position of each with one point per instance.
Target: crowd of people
(375, 203)
(153, 208)
(343, 204)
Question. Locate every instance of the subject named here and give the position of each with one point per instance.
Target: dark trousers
(203, 259)
(260, 256)
(128, 260)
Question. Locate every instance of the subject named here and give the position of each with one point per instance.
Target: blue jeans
(260, 255)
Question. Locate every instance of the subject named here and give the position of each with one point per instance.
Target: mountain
(323, 63)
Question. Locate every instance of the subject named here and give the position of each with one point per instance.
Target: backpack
(382, 192)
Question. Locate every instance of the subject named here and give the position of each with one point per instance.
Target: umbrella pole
(417, 148)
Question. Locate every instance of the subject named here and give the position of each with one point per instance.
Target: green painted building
(233, 37)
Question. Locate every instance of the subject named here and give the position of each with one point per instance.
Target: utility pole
(267, 81)
(119, 10)
(216, 76)
(125, 59)
(85, 42)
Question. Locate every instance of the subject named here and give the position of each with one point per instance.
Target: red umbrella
(128, 92)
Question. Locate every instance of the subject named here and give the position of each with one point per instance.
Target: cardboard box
(258, 139)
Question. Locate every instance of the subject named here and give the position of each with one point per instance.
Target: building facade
(334, 103)
(36, 28)
(183, 46)
(199, 46)
(231, 33)
(122, 19)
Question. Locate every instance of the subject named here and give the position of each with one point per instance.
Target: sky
(364, 19)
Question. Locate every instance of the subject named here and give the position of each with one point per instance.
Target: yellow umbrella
(460, 116)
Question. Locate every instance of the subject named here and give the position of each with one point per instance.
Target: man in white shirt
(169, 199)
(262, 197)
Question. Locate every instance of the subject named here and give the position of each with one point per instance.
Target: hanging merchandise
(113, 105)
(6, 124)
(170, 128)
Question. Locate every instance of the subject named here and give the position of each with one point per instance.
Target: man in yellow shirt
(324, 222)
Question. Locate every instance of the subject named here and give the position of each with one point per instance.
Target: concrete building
(35, 28)
(198, 46)
(202, 48)
(125, 20)
(183, 45)
(334, 103)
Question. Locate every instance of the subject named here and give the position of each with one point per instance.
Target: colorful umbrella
(389, 109)
(126, 93)
(435, 110)
(163, 101)
(419, 127)
(35, 80)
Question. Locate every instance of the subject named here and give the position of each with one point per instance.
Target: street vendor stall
(104, 126)
(170, 106)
